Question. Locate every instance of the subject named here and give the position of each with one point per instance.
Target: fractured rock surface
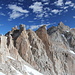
(50, 52)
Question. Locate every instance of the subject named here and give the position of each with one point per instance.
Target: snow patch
(72, 52)
(17, 72)
(30, 46)
(31, 71)
(62, 35)
(10, 57)
(2, 73)
(67, 31)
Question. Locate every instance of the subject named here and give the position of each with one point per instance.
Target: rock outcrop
(51, 52)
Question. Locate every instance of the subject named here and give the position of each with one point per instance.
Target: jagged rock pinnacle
(63, 27)
(22, 27)
(61, 23)
(42, 27)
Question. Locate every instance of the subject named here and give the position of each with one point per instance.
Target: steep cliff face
(50, 52)
(63, 56)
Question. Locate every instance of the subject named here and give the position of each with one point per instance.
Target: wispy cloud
(70, 4)
(47, 9)
(63, 5)
(37, 7)
(1, 24)
(56, 11)
(46, 3)
(15, 15)
(2, 14)
(0, 7)
(44, 0)
(59, 3)
(17, 8)
(66, 11)
(30, 21)
(33, 27)
(73, 16)
(17, 11)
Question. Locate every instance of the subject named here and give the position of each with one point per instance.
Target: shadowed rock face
(42, 34)
(51, 51)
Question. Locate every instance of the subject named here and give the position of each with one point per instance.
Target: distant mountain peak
(61, 23)
(62, 27)
(43, 27)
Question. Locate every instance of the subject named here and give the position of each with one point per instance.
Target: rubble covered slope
(40, 52)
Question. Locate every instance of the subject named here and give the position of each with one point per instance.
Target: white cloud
(68, 3)
(44, 0)
(26, 15)
(46, 9)
(37, 7)
(17, 11)
(17, 8)
(65, 7)
(39, 10)
(20, 3)
(46, 3)
(56, 11)
(50, 14)
(1, 24)
(30, 21)
(73, 16)
(22, 17)
(36, 26)
(35, 18)
(66, 11)
(59, 3)
(72, 5)
(0, 7)
(15, 15)
(2, 14)
(46, 12)
(46, 15)
(40, 15)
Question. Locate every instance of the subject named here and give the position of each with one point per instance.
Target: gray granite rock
(51, 52)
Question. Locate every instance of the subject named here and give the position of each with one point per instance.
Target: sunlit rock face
(43, 52)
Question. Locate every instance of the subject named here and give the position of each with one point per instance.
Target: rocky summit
(40, 52)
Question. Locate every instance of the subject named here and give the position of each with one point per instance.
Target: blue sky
(35, 13)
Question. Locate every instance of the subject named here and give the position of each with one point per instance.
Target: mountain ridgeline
(47, 52)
